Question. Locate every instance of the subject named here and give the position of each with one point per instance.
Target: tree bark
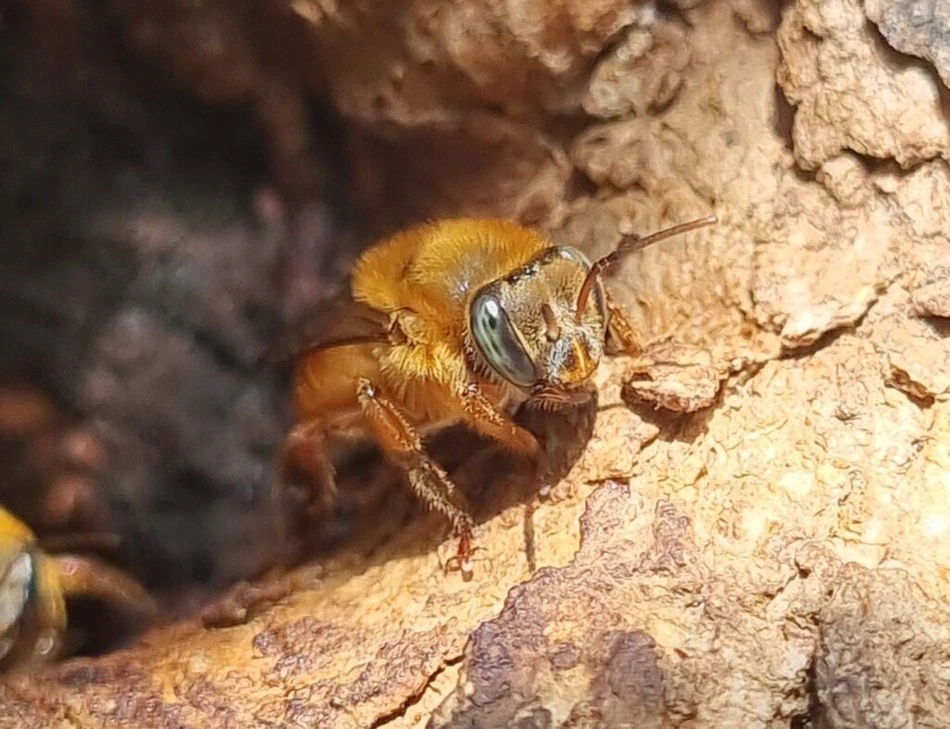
(757, 531)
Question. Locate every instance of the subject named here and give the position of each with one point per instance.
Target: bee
(33, 590)
(454, 321)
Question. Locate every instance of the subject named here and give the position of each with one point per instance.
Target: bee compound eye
(498, 341)
(16, 582)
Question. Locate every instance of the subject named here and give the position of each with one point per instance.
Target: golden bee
(33, 590)
(458, 321)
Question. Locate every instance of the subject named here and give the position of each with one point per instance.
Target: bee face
(526, 329)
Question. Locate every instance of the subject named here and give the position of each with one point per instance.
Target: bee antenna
(629, 244)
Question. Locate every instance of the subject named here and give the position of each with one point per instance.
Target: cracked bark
(738, 543)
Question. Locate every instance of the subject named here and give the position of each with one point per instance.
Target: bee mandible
(457, 321)
(34, 586)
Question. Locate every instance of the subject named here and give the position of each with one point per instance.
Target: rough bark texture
(756, 537)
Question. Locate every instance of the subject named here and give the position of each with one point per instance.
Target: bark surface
(757, 531)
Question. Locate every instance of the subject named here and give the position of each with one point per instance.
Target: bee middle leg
(431, 484)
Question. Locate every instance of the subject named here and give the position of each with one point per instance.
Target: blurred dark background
(156, 256)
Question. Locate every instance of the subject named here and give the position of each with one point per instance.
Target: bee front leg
(431, 484)
(488, 420)
(84, 576)
(625, 338)
(485, 418)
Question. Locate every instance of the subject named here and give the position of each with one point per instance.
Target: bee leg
(430, 483)
(305, 447)
(625, 338)
(76, 576)
(485, 418)
(302, 453)
(83, 576)
(488, 420)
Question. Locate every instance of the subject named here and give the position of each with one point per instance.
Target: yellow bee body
(33, 591)
(457, 321)
(32, 609)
